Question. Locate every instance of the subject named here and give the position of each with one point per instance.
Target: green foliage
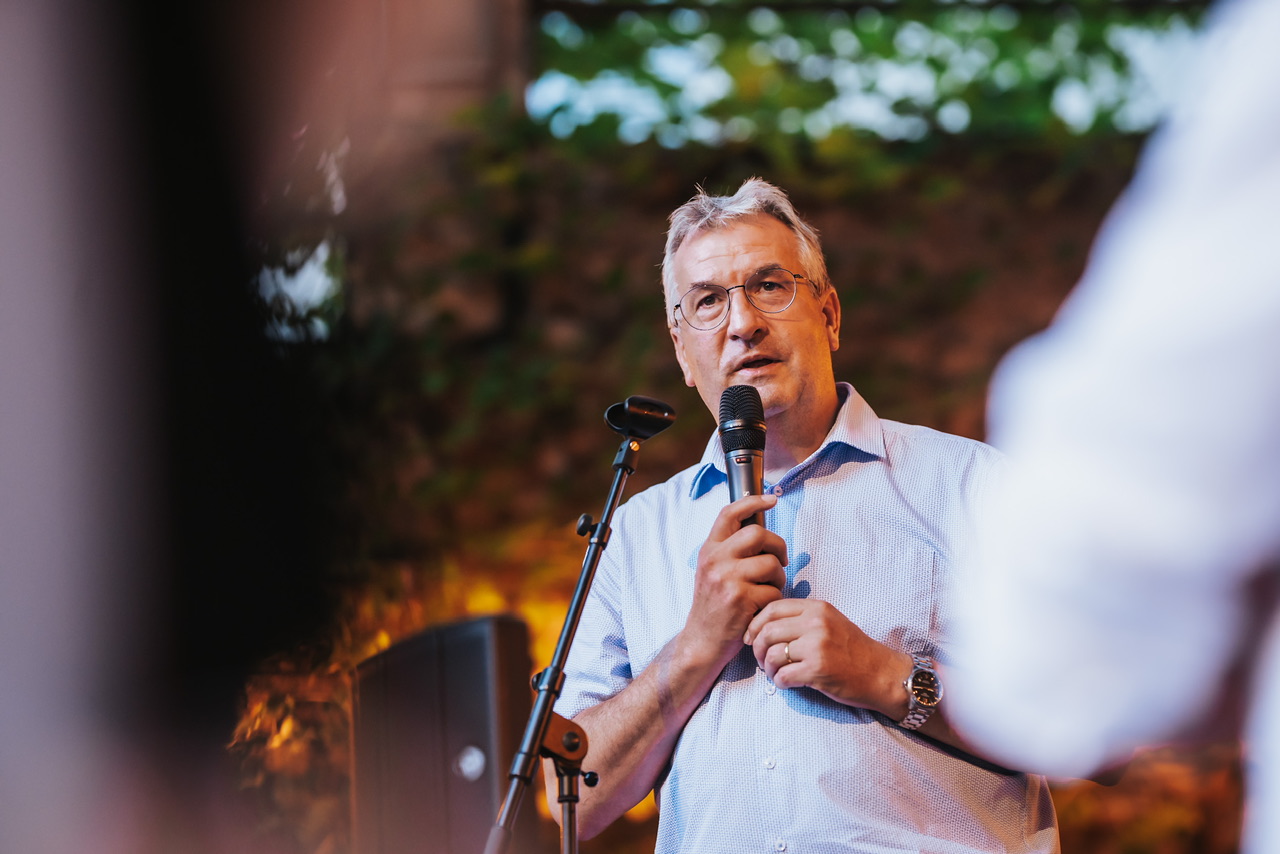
(725, 72)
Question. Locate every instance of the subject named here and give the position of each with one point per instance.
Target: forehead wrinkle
(764, 268)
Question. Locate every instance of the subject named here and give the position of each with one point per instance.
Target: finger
(763, 568)
(777, 633)
(729, 521)
(782, 609)
(762, 595)
(778, 657)
(752, 542)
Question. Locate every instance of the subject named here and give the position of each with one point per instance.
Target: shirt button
(770, 688)
(780, 845)
(777, 490)
(769, 763)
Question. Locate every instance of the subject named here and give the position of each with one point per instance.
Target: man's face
(786, 356)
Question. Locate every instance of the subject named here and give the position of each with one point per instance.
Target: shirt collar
(856, 426)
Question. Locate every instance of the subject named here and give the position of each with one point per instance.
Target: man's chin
(774, 399)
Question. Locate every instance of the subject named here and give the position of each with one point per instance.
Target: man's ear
(680, 356)
(831, 311)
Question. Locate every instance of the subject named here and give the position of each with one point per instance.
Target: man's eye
(708, 300)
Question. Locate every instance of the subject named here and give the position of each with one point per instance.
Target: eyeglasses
(705, 307)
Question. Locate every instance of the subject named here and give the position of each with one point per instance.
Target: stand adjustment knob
(590, 778)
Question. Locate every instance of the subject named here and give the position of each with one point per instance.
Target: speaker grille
(437, 720)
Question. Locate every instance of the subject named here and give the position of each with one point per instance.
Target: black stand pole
(548, 734)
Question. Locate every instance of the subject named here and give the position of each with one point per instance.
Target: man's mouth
(761, 362)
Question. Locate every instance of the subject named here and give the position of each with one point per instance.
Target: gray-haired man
(773, 684)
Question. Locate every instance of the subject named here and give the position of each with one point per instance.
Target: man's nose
(745, 320)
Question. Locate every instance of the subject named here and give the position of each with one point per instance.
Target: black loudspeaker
(438, 718)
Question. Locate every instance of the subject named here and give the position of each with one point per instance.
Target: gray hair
(705, 212)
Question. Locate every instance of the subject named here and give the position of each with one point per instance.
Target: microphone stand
(547, 733)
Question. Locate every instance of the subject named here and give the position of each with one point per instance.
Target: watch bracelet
(917, 713)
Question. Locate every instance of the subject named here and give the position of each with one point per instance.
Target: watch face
(926, 688)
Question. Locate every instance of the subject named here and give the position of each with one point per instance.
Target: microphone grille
(741, 403)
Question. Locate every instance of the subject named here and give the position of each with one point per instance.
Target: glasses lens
(704, 306)
(771, 290)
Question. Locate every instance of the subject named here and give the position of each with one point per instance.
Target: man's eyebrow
(764, 268)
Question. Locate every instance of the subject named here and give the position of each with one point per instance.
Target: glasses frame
(678, 310)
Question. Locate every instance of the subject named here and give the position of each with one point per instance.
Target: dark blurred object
(241, 535)
(159, 528)
(438, 718)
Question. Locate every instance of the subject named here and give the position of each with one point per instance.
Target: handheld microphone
(742, 431)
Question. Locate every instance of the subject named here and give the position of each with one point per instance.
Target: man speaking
(781, 687)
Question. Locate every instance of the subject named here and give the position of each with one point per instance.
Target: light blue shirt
(871, 523)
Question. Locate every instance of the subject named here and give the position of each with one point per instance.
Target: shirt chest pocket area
(883, 578)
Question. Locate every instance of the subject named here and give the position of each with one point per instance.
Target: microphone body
(742, 433)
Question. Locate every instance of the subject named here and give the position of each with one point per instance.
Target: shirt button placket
(771, 743)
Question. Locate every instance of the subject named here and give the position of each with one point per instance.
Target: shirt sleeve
(598, 666)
